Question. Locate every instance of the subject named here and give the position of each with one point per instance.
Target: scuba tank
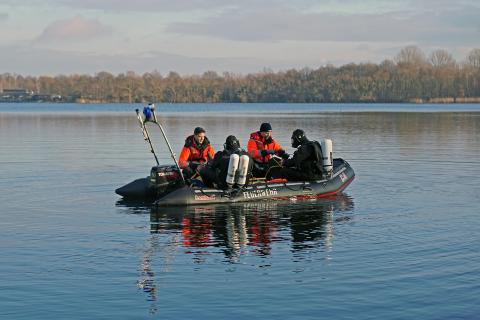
(327, 155)
(243, 170)
(232, 169)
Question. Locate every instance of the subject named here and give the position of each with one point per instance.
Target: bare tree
(409, 77)
(473, 58)
(441, 58)
(411, 55)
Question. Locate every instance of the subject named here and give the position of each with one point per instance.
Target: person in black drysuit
(214, 174)
(305, 164)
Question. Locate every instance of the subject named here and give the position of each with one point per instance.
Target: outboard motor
(327, 154)
(165, 178)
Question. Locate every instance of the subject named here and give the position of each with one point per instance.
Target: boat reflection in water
(251, 226)
(236, 230)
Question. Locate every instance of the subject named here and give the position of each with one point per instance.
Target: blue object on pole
(147, 113)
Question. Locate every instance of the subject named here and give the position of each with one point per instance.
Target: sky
(51, 37)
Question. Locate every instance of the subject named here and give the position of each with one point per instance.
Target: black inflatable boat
(166, 189)
(166, 186)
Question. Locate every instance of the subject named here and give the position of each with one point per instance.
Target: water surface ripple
(400, 243)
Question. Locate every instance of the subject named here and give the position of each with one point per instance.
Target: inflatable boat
(166, 185)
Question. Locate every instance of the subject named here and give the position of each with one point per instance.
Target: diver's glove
(188, 171)
(281, 153)
(266, 152)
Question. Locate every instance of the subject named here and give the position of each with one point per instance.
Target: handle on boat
(142, 125)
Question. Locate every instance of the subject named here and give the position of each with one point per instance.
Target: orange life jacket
(258, 143)
(192, 151)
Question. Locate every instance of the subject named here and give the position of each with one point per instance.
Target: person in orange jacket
(261, 147)
(196, 151)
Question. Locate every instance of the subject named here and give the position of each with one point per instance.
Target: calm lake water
(400, 243)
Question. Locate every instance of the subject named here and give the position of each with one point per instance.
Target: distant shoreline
(409, 78)
(459, 101)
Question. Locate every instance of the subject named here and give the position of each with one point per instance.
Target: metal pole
(169, 147)
(146, 135)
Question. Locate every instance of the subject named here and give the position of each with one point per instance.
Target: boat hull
(139, 189)
(341, 177)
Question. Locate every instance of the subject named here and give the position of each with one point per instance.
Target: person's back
(306, 163)
(307, 159)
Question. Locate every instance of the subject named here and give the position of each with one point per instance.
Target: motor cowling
(164, 178)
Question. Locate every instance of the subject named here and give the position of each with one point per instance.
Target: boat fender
(243, 170)
(327, 153)
(232, 169)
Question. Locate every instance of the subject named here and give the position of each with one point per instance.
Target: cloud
(334, 6)
(144, 5)
(238, 36)
(450, 26)
(77, 28)
(159, 5)
(116, 6)
(29, 60)
(207, 6)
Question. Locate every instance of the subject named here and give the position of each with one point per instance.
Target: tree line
(410, 76)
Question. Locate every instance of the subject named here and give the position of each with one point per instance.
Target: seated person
(261, 147)
(196, 151)
(230, 167)
(305, 164)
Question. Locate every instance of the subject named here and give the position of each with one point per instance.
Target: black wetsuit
(215, 172)
(306, 164)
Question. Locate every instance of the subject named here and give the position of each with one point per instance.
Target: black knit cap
(198, 130)
(265, 127)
